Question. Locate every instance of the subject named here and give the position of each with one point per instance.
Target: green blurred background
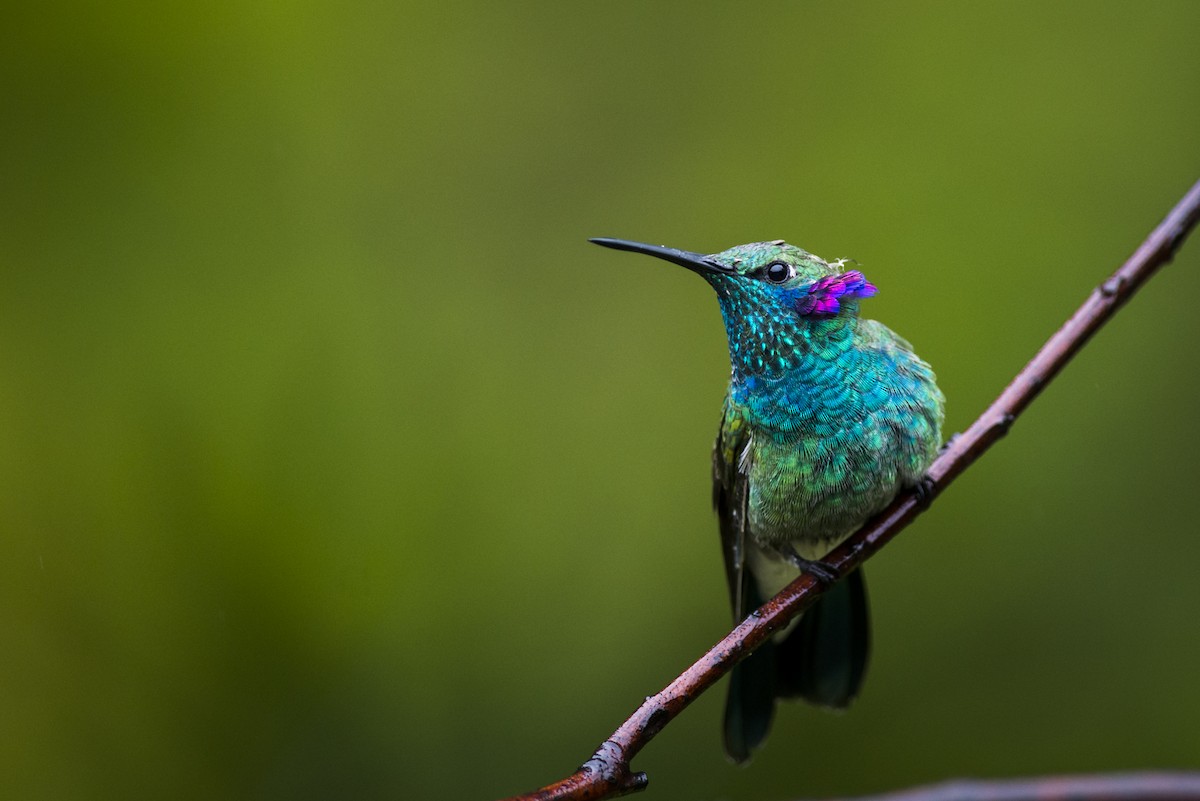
(336, 464)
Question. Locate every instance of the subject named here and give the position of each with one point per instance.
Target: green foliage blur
(334, 462)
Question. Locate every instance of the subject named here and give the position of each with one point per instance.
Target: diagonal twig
(608, 775)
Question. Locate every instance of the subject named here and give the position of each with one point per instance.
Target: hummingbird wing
(731, 496)
(750, 704)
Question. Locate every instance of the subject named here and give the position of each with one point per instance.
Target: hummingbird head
(782, 305)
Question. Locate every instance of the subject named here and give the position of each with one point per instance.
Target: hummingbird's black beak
(705, 265)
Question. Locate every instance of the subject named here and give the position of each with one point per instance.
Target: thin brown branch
(608, 775)
(1114, 787)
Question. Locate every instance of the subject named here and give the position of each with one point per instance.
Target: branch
(607, 774)
(1117, 787)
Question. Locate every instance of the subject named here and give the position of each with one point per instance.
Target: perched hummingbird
(828, 416)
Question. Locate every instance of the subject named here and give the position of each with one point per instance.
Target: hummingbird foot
(822, 571)
(925, 489)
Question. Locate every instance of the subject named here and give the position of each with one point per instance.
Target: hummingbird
(828, 416)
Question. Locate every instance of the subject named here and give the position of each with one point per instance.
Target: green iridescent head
(752, 259)
(780, 303)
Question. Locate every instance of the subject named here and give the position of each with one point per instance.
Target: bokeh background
(334, 463)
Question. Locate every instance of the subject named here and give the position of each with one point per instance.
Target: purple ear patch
(822, 295)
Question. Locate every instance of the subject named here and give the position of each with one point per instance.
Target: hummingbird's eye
(777, 272)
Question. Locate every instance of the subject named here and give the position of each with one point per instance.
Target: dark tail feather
(750, 704)
(823, 661)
